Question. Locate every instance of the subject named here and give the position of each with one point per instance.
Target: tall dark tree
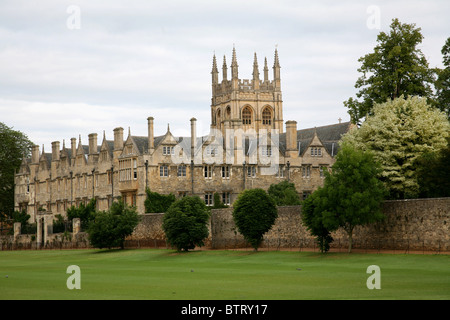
(14, 146)
(396, 67)
(442, 83)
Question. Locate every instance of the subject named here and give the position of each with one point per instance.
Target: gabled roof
(329, 136)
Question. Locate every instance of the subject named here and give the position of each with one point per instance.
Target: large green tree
(14, 146)
(442, 85)
(351, 196)
(433, 173)
(398, 133)
(254, 213)
(184, 223)
(396, 67)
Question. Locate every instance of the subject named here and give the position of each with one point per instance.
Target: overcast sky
(70, 68)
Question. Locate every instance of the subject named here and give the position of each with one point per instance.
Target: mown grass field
(220, 275)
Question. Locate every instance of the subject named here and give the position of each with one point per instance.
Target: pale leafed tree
(398, 133)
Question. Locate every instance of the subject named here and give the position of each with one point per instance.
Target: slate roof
(329, 136)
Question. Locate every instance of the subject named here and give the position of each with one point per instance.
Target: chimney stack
(35, 154)
(291, 135)
(93, 143)
(151, 136)
(55, 151)
(73, 144)
(118, 138)
(193, 136)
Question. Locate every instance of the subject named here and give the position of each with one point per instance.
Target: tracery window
(247, 116)
(267, 116)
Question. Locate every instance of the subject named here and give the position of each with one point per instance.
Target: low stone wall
(149, 227)
(416, 224)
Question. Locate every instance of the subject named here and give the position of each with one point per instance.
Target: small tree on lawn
(352, 194)
(312, 210)
(254, 214)
(110, 228)
(184, 223)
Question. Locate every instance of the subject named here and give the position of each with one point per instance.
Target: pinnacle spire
(276, 63)
(234, 65)
(266, 70)
(233, 59)
(276, 69)
(214, 67)
(255, 68)
(224, 68)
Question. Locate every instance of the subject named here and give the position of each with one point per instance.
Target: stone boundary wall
(416, 224)
(413, 224)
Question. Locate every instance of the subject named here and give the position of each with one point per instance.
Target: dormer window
(211, 151)
(316, 151)
(104, 155)
(129, 149)
(168, 150)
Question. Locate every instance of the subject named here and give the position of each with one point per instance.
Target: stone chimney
(55, 151)
(118, 138)
(291, 135)
(35, 154)
(93, 143)
(73, 145)
(151, 136)
(193, 136)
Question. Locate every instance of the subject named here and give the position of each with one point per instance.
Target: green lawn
(220, 275)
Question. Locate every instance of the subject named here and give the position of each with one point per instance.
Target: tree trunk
(350, 242)
(350, 239)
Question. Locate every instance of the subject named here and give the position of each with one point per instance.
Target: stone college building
(247, 148)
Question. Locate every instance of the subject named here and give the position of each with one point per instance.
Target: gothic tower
(246, 103)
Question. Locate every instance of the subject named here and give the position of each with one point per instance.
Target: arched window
(267, 116)
(228, 113)
(247, 116)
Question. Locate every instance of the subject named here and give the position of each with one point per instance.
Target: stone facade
(247, 148)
